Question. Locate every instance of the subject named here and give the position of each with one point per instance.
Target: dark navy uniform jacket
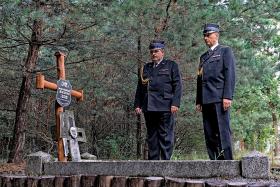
(216, 76)
(163, 90)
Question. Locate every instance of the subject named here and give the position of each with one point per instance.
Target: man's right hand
(138, 110)
(198, 108)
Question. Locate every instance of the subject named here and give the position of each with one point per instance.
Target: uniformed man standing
(215, 87)
(158, 96)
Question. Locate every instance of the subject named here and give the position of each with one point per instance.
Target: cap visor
(208, 32)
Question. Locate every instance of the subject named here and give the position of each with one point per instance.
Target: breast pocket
(211, 67)
(164, 75)
(163, 72)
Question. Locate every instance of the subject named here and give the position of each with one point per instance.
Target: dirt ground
(12, 168)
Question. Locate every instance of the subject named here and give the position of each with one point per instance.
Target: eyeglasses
(154, 51)
(206, 35)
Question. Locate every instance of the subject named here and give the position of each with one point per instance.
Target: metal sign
(70, 135)
(73, 132)
(75, 150)
(63, 94)
(66, 122)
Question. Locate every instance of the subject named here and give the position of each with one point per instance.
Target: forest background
(105, 43)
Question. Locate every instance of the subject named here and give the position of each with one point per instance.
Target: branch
(167, 15)
(7, 110)
(87, 27)
(12, 46)
(163, 26)
(24, 36)
(249, 8)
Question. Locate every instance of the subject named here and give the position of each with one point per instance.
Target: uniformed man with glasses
(215, 88)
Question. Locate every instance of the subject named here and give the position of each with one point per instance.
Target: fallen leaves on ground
(12, 167)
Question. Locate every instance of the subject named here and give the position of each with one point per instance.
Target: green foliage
(106, 40)
(116, 146)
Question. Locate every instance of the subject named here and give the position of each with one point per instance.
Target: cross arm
(41, 83)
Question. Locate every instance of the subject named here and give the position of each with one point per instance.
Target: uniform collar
(214, 46)
(157, 63)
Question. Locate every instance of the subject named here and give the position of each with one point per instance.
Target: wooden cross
(41, 83)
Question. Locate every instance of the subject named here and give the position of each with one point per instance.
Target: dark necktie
(155, 64)
(209, 51)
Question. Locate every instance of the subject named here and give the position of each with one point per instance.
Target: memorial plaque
(65, 146)
(64, 125)
(71, 120)
(71, 135)
(74, 150)
(66, 122)
(63, 93)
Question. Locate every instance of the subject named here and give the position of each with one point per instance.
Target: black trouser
(160, 134)
(217, 131)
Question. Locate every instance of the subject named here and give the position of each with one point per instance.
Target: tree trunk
(139, 123)
(139, 137)
(16, 154)
(276, 133)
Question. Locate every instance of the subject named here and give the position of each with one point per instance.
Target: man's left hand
(226, 103)
(174, 109)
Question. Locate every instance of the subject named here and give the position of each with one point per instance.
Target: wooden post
(41, 83)
(154, 181)
(47, 181)
(32, 181)
(174, 182)
(258, 185)
(58, 108)
(19, 181)
(195, 183)
(215, 184)
(237, 184)
(89, 181)
(61, 181)
(6, 181)
(136, 182)
(75, 180)
(119, 181)
(105, 181)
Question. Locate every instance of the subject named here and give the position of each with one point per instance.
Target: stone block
(35, 161)
(255, 165)
(88, 156)
(191, 169)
